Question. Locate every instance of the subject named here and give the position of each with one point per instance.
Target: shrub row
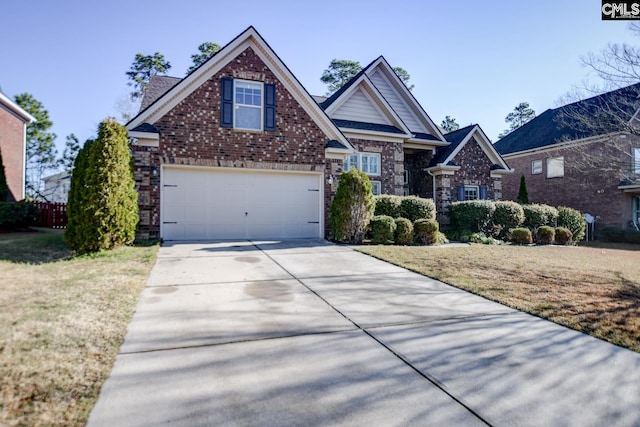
(499, 219)
(412, 208)
(385, 231)
(619, 235)
(13, 215)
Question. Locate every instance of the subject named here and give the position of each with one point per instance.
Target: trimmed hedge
(612, 234)
(426, 231)
(383, 228)
(521, 236)
(506, 216)
(404, 232)
(563, 236)
(414, 208)
(387, 204)
(538, 215)
(545, 235)
(472, 215)
(632, 236)
(574, 221)
(13, 214)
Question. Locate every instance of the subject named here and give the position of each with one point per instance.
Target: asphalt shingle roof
(367, 126)
(561, 124)
(158, 86)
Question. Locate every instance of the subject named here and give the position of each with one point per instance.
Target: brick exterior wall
(595, 192)
(11, 147)
(391, 163)
(190, 134)
(475, 170)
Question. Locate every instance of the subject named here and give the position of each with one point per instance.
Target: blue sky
(472, 60)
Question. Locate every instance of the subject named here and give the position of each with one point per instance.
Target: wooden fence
(53, 215)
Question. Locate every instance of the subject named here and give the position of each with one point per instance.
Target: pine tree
(523, 194)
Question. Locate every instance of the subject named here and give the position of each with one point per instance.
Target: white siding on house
(360, 108)
(400, 107)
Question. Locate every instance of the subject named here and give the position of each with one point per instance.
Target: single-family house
(13, 131)
(584, 155)
(56, 187)
(239, 149)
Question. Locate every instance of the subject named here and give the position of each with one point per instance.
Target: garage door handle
(313, 222)
(169, 222)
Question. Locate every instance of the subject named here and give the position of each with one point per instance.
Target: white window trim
(551, 168)
(375, 184)
(533, 169)
(474, 188)
(260, 107)
(406, 177)
(358, 166)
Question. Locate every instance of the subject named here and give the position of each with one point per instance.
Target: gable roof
(392, 96)
(562, 124)
(457, 139)
(250, 38)
(16, 109)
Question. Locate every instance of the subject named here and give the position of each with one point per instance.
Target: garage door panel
(211, 204)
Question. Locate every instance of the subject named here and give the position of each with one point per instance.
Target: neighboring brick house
(13, 130)
(239, 149)
(559, 159)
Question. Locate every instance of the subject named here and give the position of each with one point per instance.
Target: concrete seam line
(389, 349)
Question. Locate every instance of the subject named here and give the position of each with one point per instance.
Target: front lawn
(62, 321)
(591, 289)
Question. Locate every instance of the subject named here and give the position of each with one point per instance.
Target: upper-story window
(536, 167)
(555, 167)
(636, 160)
(248, 105)
(368, 163)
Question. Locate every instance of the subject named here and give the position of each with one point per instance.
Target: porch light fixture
(330, 179)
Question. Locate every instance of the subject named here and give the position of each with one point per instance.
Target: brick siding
(11, 148)
(391, 163)
(191, 134)
(595, 192)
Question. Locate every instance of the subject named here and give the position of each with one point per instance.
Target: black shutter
(269, 107)
(226, 115)
(461, 193)
(483, 192)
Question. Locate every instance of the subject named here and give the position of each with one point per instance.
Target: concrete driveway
(309, 333)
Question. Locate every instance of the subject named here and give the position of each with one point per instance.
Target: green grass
(62, 320)
(595, 290)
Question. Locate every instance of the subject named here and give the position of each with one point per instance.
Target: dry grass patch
(591, 289)
(62, 321)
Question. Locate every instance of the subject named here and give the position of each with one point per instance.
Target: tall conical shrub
(352, 207)
(79, 216)
(108, 203)
(523, 194)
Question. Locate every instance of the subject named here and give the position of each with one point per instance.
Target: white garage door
(201, 204)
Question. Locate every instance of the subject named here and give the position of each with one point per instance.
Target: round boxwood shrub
(521, 236)
(426, 231)
(472, 215)
(563, 236)
(383, 228)
(404, 232)
(574, 221)
(538, 215)
(545, 235)
(387, 204)
(507, 215)
(414, 208)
